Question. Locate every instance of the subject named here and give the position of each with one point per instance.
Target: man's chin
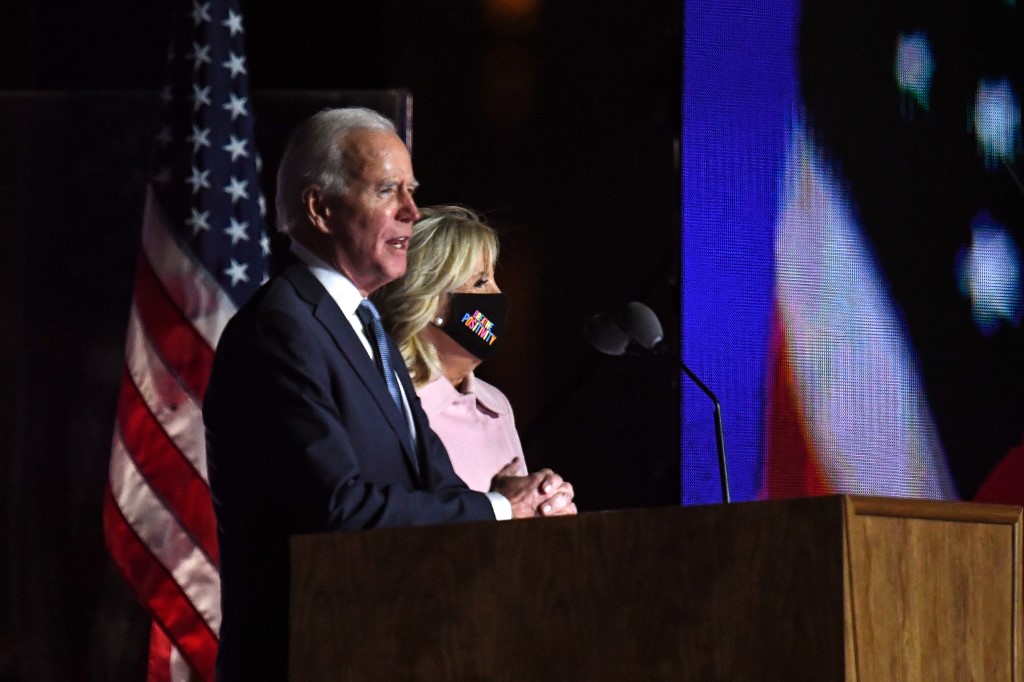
(396, 267)
(389, 274)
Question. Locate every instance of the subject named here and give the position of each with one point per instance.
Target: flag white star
(164, 137)
(200, 54)
(237, 272)
(198, 180)
(236, 148)
(265, 244)
(236, 106)
(263, 205)
(200, 96)
(200, 13)
(237, 231)
(235, 64)
(264, 279)
(233, 22)
(198, 221)
(200, 137)
(989, 274)
(997, 119)
(236, 188)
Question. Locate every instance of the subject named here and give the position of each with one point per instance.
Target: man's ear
(317, 211)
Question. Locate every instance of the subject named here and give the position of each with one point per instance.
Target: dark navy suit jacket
(303, 437)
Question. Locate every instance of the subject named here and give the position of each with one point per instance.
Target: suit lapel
(328, 314)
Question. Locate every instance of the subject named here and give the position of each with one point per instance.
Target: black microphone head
(605, 335)
(642, 326)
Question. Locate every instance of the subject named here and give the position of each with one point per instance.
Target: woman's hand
(542, 493)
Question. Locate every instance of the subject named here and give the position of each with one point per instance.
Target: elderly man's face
(371, 223)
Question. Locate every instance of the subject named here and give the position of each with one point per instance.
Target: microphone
(641, 325)
(641, 332)
(605, 335)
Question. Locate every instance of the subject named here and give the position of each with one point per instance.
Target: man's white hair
(313, 157)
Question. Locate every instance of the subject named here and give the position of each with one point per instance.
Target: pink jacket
(476, 426)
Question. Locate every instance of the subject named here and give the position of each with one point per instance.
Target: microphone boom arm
(641, 334)
(723, 474)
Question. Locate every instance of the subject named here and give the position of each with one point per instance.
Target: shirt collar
(340, 287)
(471, 387)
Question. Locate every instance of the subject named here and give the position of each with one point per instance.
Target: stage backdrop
(853, 219)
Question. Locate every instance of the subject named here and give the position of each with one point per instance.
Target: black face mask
(477, 322)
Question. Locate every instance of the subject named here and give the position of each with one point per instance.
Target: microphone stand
(640, 334)
(723, 473)
(661, 350)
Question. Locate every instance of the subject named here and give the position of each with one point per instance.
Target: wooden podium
(830, 588)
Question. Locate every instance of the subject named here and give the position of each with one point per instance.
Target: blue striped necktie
(370, 318)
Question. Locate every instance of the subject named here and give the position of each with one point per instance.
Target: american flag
(204, 252)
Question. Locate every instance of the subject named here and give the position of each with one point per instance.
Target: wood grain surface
(754, 591)
(935, 590)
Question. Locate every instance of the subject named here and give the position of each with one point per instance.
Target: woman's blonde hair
(443, 253)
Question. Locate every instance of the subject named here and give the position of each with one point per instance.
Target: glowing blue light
(989, 275)
(914, 66)
(996, 121)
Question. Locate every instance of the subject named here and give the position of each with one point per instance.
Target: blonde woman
(447, 315)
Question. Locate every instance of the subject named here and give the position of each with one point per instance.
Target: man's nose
(409, 211)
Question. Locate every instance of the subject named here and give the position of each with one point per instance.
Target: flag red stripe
(159, 655)
(169, 331)
(158, 592)
(1005, 483)
(161, 532)
(170, 401)
(791, 467)
(170, 475)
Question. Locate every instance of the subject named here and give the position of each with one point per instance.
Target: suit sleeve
(283, 430)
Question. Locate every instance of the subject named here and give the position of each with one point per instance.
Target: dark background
(559, 121)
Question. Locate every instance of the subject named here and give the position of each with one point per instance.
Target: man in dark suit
(312, 425)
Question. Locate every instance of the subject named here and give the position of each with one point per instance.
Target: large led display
(853, 222)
